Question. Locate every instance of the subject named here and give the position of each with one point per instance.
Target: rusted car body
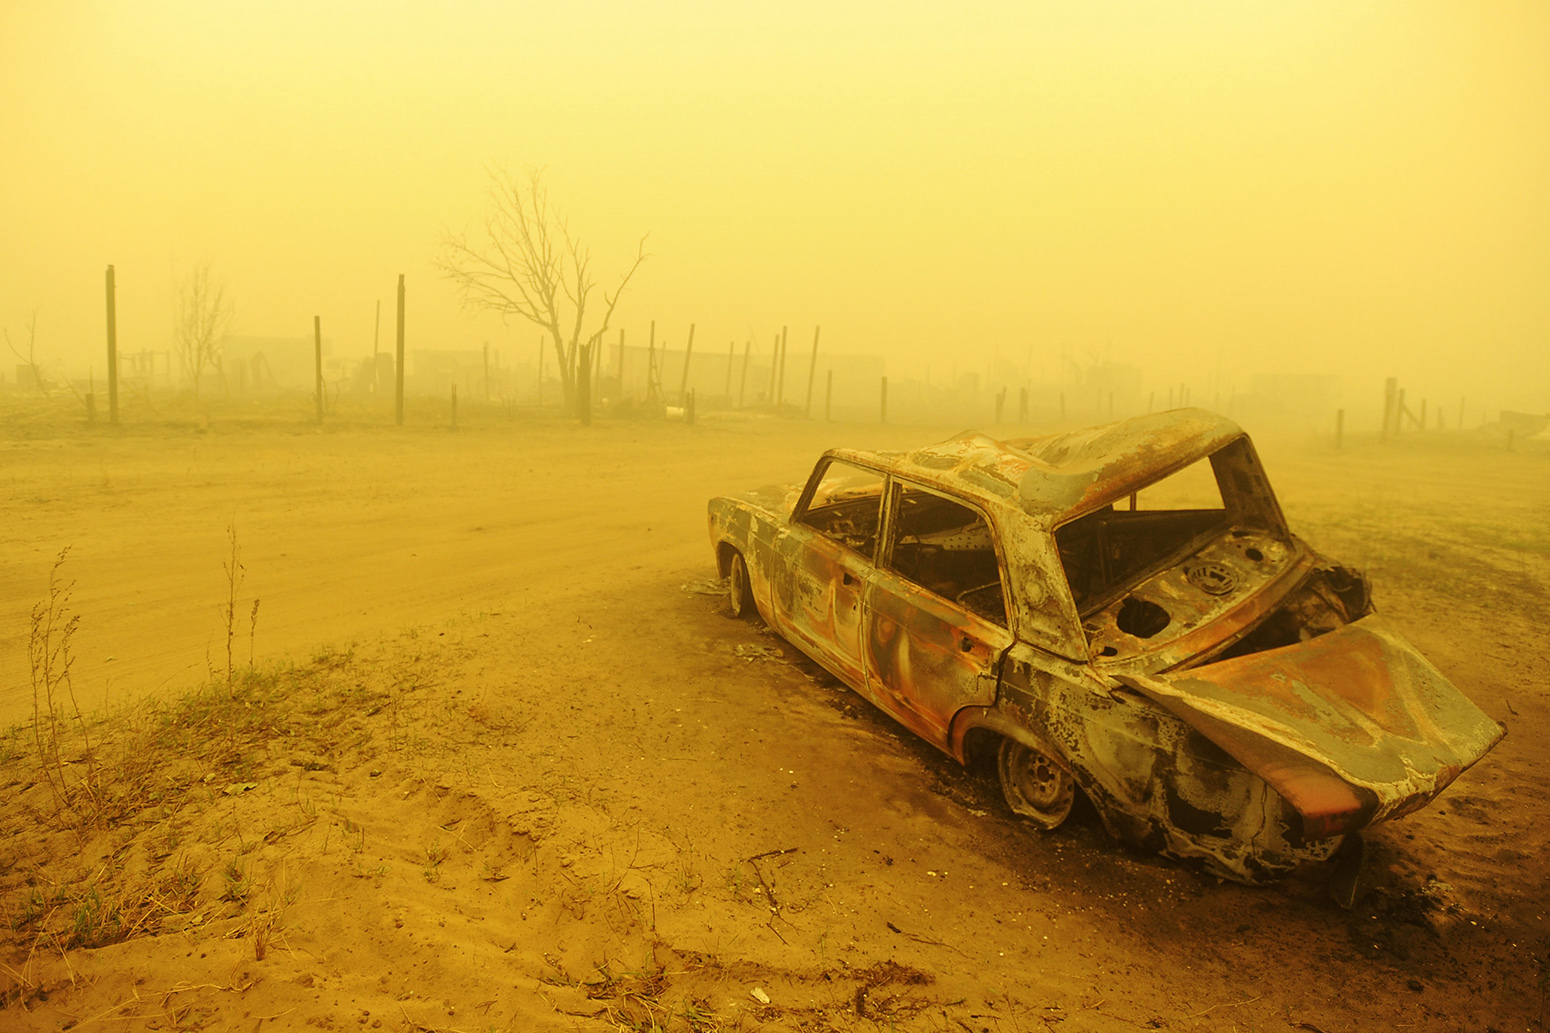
(1068, 606)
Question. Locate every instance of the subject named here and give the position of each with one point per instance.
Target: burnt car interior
(948, 548)
(1111, 548)
(847, 506)
(1158, 525)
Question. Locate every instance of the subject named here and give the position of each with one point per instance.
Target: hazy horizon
(1206, 191)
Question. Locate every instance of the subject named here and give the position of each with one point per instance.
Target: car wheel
(739, 589)
(1034, 785)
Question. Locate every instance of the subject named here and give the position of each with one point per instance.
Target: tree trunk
(567, 366)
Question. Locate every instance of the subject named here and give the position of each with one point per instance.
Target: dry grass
(129, 825)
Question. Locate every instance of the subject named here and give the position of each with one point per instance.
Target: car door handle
(845, 578)
(966, 644)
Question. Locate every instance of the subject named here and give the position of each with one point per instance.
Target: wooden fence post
(780, 391)
(317, 353)
(398, 364)
(584, 384)
(112, 349)
(651, 362)
(742, 386)
(774, 369)
(683, 384)
(812, 369)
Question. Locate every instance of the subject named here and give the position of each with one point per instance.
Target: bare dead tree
(204, 315)
(528, 265)
(29, 360)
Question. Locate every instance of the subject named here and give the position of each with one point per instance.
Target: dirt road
(346, 534)
(684, 789)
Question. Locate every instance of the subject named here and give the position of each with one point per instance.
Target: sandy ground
(563, 790)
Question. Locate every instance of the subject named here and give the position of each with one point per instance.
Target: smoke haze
(1205, 191)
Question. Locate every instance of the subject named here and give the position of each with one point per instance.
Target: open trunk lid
(1350, 728)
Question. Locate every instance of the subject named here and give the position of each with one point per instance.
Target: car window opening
(948, 548)
(847, 506)
(1110, 548)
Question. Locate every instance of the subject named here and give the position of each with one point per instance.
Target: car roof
(1055, 477)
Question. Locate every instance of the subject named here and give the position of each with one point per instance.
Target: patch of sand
(574, 795)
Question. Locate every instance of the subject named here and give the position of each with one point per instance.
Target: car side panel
(750, 530)
(818, 599)
(927, 658)
(1154, 781)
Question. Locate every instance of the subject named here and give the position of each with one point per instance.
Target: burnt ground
(532, 777)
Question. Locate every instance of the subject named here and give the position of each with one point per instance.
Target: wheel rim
(737, 585)
(1035, 786)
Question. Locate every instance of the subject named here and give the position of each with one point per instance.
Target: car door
(826, 555)
(935, 612)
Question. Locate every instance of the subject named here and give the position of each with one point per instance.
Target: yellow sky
(1233, 187)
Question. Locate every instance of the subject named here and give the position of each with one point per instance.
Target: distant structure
(258, 364)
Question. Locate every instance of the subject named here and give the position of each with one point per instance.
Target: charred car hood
(1349, 728)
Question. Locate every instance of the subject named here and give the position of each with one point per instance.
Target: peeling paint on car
(1219, 691)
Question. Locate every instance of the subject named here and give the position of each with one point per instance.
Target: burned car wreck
(1120, 612)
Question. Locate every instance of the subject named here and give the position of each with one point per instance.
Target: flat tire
(1034, 785)
(739, 588)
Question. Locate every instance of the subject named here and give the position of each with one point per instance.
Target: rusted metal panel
(1351, 727)
(1200, 621)
(1321, 721)
(1075, 472)
(824, 611)
(1155, 783)
(926, 659)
